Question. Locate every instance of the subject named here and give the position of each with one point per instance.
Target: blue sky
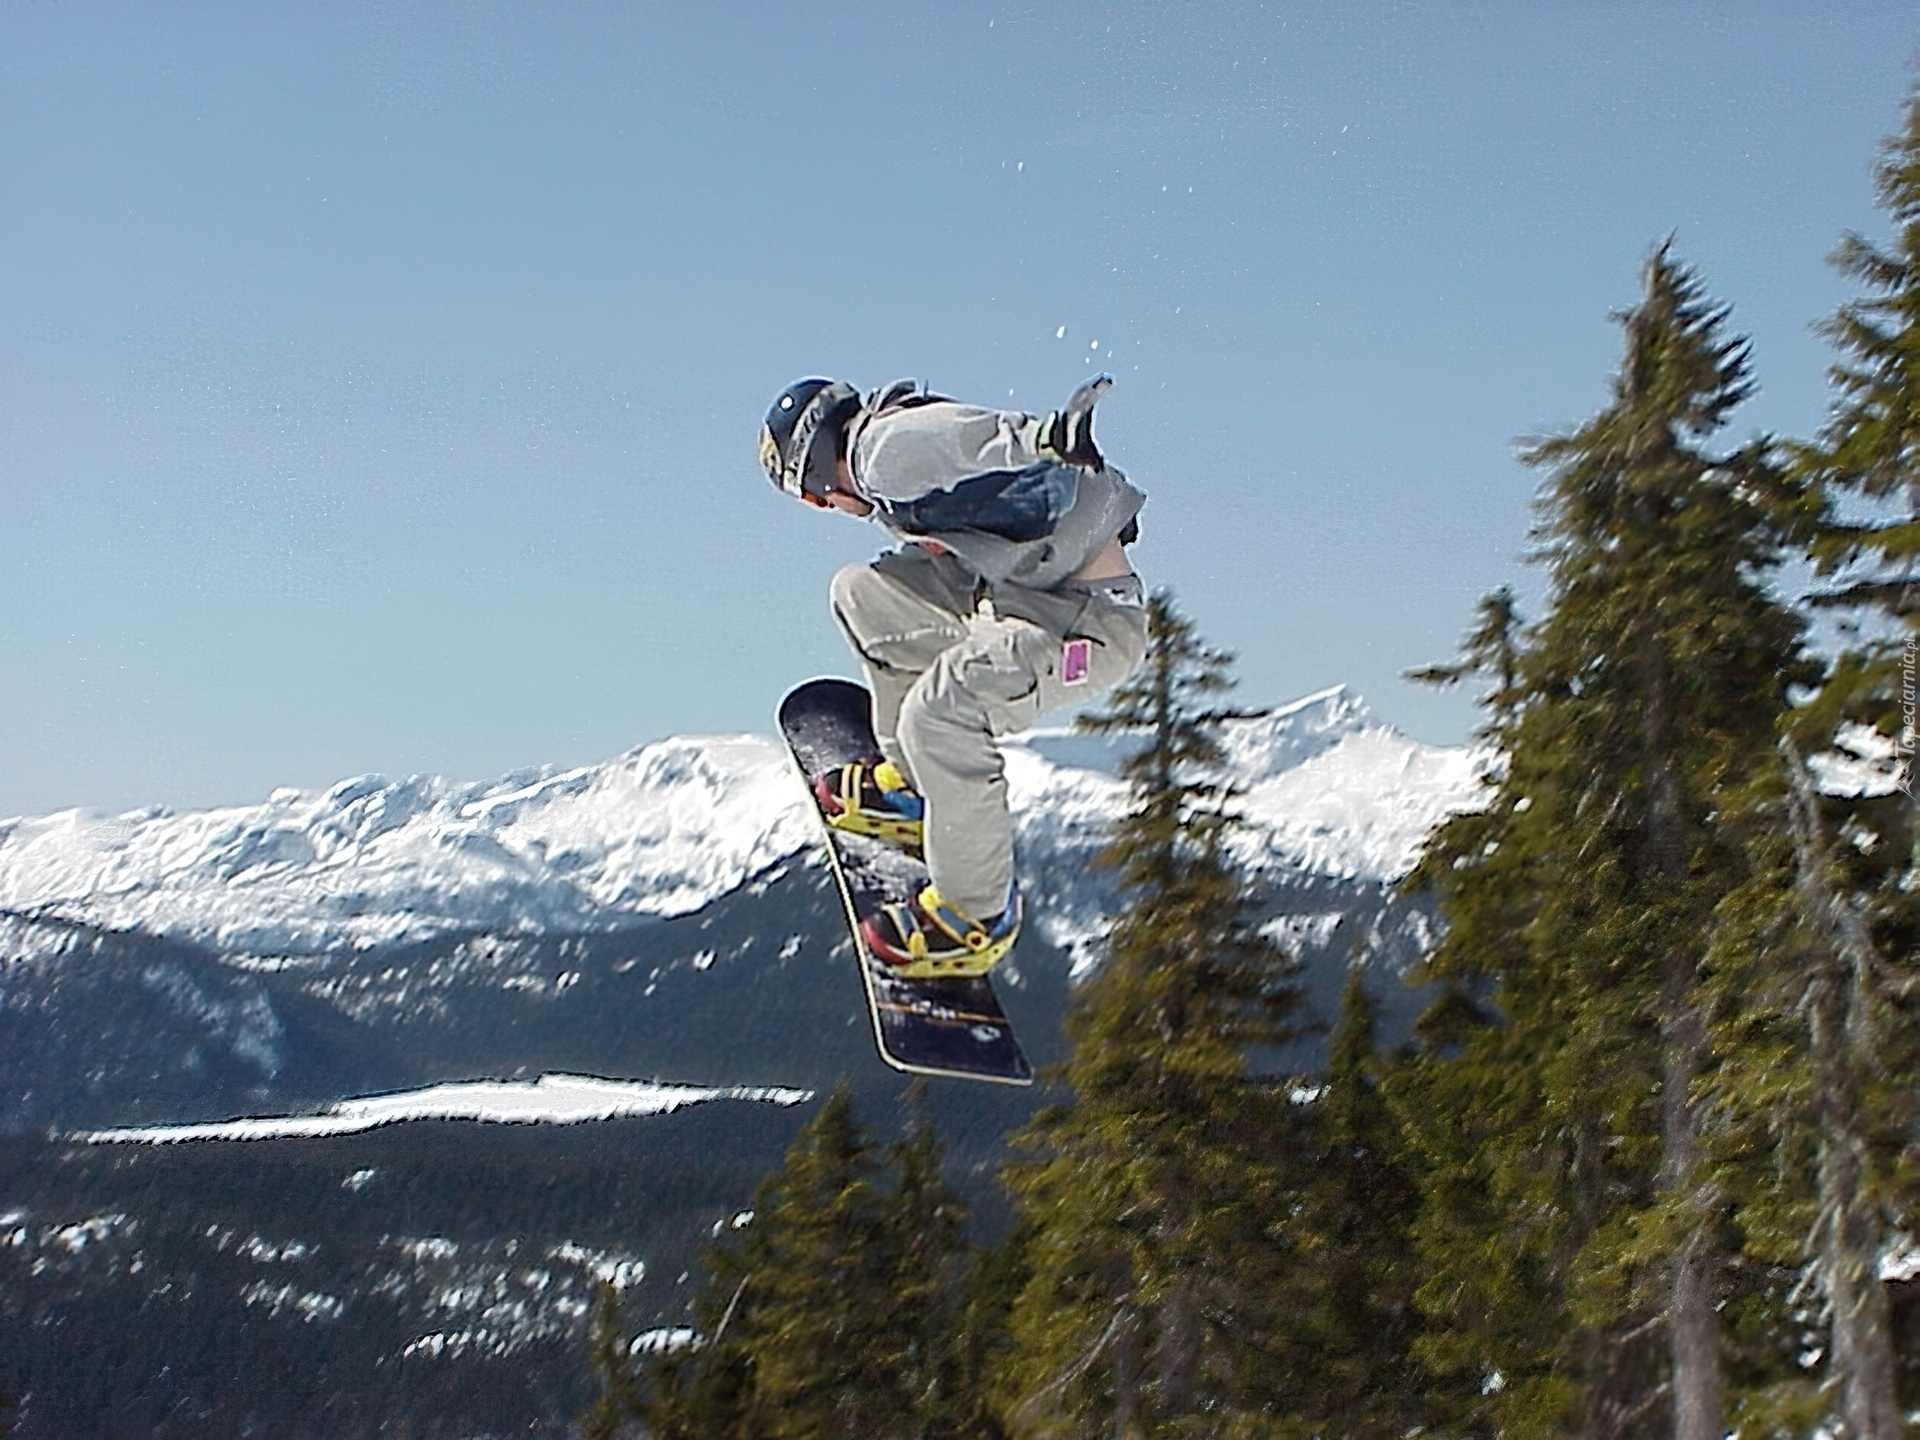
(381, 381)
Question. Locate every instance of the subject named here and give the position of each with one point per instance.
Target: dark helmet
(801, 439)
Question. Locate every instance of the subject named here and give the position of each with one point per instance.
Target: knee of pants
(855, 593)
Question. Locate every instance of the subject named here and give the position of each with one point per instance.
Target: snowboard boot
(928, 939)
(871, 797)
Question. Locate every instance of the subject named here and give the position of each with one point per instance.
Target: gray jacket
(978, 482)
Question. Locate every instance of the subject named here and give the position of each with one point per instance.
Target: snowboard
(948, 1027)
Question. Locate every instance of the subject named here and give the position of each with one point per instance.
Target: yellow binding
(856, 819)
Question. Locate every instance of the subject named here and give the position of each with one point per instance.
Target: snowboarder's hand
(1067, 435)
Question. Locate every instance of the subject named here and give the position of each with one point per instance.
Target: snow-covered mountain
(661, 831)
(642, 963)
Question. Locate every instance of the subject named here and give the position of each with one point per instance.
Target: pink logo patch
(1076, 660)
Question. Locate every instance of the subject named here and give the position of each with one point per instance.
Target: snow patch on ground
(1297, 934)
(1862, 764)
(550, 1100)
(663, 1340)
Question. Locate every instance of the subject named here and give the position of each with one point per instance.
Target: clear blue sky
(380, 381)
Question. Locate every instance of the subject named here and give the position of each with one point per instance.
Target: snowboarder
(1010, 594)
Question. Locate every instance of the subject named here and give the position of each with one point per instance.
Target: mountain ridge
(333, 993)
(661, 831)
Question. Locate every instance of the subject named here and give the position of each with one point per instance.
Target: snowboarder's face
(843, 497)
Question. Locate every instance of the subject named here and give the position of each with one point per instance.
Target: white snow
(1333, 791)
(1298, 934)
(619, 1271)
(665, 830)
(1326, 789)
(1325, 786)
(309, 1305)
(663, 1340)
(551, 1100)
(1901, 1262)
(1863, 764)
(660, 831)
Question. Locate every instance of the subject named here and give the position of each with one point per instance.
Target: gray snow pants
(948, 675)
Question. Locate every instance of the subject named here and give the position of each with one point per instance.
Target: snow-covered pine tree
(1575, 1232)
(1155, 1201)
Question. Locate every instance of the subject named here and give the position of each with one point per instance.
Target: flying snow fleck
(1061, 333)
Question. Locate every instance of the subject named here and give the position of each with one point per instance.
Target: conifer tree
(1491, 651)
(1155, 1197)
(1357, 1273)
(1586, 892)
(1827, 984)
(1869, 451)
(995, 1278)
(616, 1414)
(1819, 1085)
(833, 1312)
(940, 1375)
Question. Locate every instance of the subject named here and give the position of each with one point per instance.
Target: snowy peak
(1333, 790)
(659, 831)
(1290, 735)
(1326, 786)
(663, 830)
(1257, 748)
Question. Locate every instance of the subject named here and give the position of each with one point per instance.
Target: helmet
(800, 441)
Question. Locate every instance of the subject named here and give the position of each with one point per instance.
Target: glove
(1066, 435)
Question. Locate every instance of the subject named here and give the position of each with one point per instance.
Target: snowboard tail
(947, 1027)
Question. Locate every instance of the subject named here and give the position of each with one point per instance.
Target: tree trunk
(1693, 1324)
(1173, 1353)
(1862, 1323)
(1126, 1378)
